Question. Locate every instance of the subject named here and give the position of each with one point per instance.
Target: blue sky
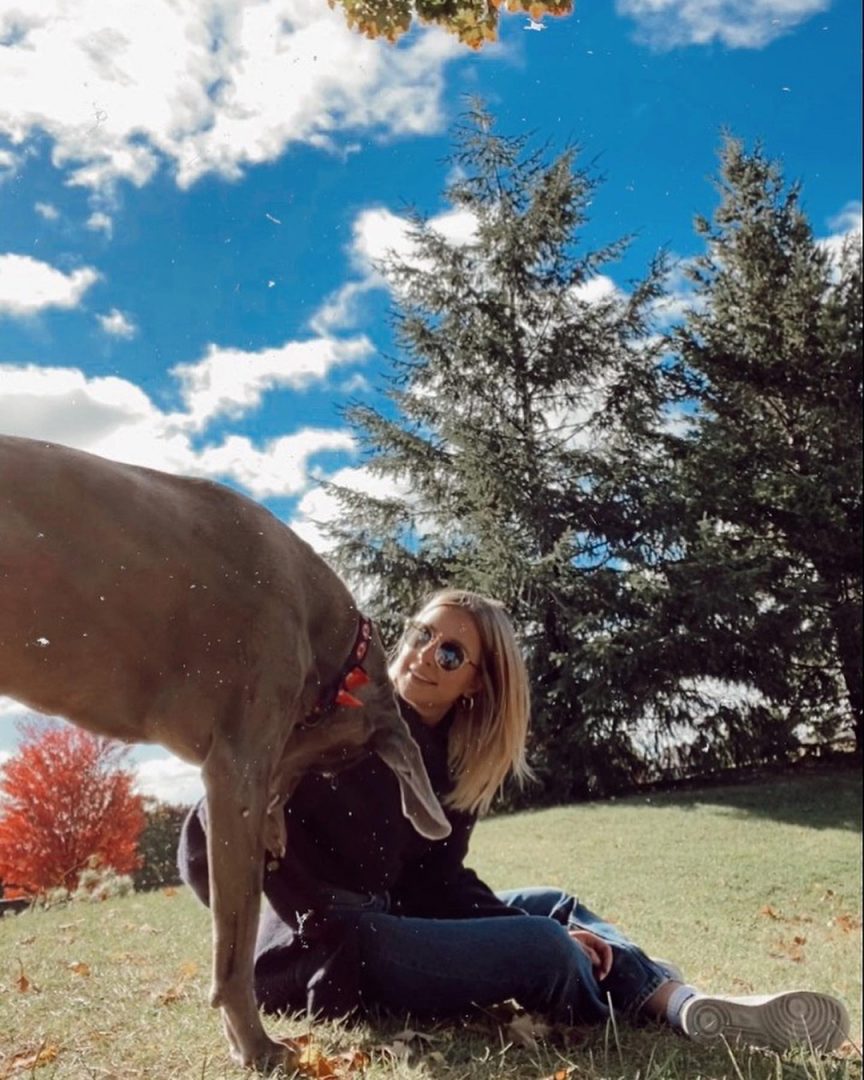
(192, 195)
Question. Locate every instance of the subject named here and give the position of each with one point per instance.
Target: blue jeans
(445, 967)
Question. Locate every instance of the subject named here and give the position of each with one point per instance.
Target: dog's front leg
(236, 783)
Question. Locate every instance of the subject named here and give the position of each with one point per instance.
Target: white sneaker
(776, 1021)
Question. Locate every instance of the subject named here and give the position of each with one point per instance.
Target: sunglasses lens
(450, 656)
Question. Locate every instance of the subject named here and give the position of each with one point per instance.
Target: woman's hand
(598, 951)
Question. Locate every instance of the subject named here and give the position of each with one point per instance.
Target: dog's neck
(350, 676)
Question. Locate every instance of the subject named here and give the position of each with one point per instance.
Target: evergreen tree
(523, 407)
(770, 469)
(157, 845)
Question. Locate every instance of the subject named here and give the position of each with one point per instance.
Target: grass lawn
(749, 887)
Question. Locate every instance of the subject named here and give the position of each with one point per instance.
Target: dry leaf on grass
(78, 968)
(28, 1060)
(789, 950)
(771, 913)
(23, 983)
(169, 890)
(178, 990)
(312, 1062)
(525, 1030)
(847, 923)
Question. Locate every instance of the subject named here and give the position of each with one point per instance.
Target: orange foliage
(66, 804)
(474, 22)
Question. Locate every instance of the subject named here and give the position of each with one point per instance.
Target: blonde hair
(489, 731)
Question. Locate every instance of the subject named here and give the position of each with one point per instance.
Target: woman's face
(423, 671)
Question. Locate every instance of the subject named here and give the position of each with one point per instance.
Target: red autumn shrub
(66, 803)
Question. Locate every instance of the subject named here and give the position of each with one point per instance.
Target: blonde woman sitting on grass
(363, 913)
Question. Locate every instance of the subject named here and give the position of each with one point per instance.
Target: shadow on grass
(477, 1049)
(815, 796)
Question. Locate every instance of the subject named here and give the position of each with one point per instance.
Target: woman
(363, 912)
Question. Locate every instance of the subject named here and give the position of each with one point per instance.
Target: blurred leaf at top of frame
(474, 22)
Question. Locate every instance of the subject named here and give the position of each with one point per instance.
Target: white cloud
(170, 780)
(46, 211)
(8, 164)
(740, 24)
(679, 296)
(281, 468)
(115, 418)
(846, 225)
(849, 218)
(28, 286)
(597, 288)
(206, 87)
(230, 382)
(8, 707)
(340, 310)
(99, 221)
(318, 506)
(116, 324)
(378, 235)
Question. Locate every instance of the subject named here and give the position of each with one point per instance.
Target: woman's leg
(656, 991)
(441, 967)
(635, 979)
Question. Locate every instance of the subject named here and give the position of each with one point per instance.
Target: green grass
(747, 887)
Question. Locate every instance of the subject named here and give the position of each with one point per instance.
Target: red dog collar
(351, 676)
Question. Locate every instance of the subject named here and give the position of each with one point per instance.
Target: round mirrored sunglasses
(449, 655)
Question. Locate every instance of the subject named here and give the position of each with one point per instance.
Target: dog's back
(127, 592)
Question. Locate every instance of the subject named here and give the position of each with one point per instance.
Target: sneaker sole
(796, 1018)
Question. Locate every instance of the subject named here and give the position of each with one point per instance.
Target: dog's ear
(397, 748)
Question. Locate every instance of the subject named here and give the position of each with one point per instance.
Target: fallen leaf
(310, 1061)
(177, 991)
(22, 982)
(789, 950)
(28, 1061)
(80, 969)
(526, 1030)
(170, 996)
(768, 911)
(169, 891)
(847, 923)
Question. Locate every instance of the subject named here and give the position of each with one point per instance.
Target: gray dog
(157, 608)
